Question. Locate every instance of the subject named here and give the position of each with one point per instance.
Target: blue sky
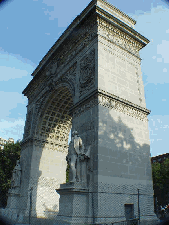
(30, 27)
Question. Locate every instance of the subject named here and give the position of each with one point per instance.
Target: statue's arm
(87, 154)
(80, 142)
(81, 145)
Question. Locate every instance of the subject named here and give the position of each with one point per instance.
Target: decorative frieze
(117, 36)
(113, 102)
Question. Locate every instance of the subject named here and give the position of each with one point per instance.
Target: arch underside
(55, 125)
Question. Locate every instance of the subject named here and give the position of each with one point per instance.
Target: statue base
(11, 212)
(73, 203)
(13, 195)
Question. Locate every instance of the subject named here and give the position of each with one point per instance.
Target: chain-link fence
(134, 221)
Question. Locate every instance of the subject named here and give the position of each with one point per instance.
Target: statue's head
(74, 133)
(18, 167)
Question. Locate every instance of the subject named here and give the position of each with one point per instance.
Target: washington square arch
(89, 82)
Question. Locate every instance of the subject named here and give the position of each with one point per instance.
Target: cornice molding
(120, 24)
(100, 97)
(116, 12)
(126, 38)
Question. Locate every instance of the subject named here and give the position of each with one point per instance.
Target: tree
(160, 173)
(8, 157)
(67, 173)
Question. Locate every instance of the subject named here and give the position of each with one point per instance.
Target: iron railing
(123, 222)
(127, 222)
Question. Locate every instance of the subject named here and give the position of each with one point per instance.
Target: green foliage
(160, 173)
(8, 157)
(67, 173)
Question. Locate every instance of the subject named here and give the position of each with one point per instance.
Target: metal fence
(127, 222)
(124, 222)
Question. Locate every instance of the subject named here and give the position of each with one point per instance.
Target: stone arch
(54, 115)
(106, 89)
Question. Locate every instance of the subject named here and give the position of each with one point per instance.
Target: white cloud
(14, 66)
(4, 124)
(10, 100)
(163, 50)
(164, 70)
(157, 17)
(54, 10)
(159, 130)
(47, 33)
(159, 59)
(8, 73)
(12, 129)
(167, 31)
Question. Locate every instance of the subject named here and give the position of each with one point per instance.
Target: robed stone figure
(16, 175)
(77, 159)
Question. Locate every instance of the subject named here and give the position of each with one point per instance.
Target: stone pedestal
(11, 212)
(73, 203)
(13, 196)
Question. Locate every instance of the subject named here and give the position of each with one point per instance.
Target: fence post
(93, 208)
(138, 209)
(30, 208)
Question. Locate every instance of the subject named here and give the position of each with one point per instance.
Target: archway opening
(53, 132)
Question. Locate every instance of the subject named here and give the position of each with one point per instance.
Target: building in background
(4, 141)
